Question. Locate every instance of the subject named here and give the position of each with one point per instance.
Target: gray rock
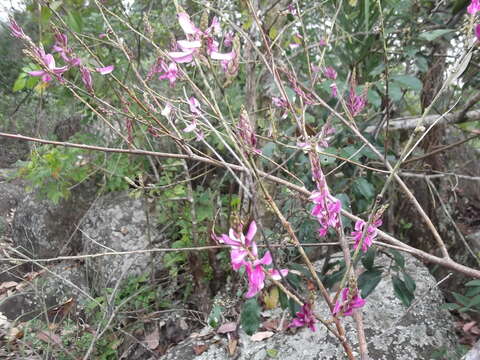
(117, 223)
(42, 229)
(50, 288)
(391, 331)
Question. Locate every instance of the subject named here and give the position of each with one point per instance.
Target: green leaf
(272, 353)
(19, 84)
(368, 281)
(327, 160)
(363, 187)
(374, 98)
(215, 316)
(294, 307)
(474, 301)
(398, 257)
(450, 306)
(45, 14)
(409, 283)
(432, 35)
(408, 82)
(74, 20)
(463, 300)
(395, 92)
(250, 318)
(401, 291)
(283, 300)
(473, 283)
(369, 258)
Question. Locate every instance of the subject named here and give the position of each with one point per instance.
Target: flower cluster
(355, 102)
(369, 236)
(47, 61)
(304, 317)
(348, 302)
(474, 7)
(186, 49)
(327, 207)
(244, 252)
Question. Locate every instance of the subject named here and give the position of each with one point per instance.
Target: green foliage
(469, 301)
(250, 318)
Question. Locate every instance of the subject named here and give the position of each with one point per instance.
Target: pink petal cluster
(305, 317)
(474, 7)
(477, 32)
(49, 68)
(61, 47)
(16, 30)
(105, 70)
(87, 78)
(355, 103)
(330, 73)
(345, 306)
(195, 38)
(327, 207)
(369, 236)
(244, 252)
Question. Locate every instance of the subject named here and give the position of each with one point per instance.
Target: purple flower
(477, 32)
(244, 252)
(16, 30)
(171, 73)
(187, 25)
(87, 78)
(292, 9)
(228, 39)
(355, 103)
(105, 70)
(194, 105)
(369, 236)
(181, 57)
(326, 210)
(334, 90)
(49, 63)
(473, 7)
(330, 73)
(305, 317)
(345, 306)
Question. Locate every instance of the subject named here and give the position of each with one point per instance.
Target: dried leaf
(15, 333)
(49, 337)
(227, 327)
(466, 327)
(232, 346)
(200, 349)
(261, 335)
(270, 324)
(152, 340)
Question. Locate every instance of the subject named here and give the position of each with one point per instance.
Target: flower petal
(105, 70)
(187, 25)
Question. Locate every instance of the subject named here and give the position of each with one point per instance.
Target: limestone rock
(42, 229)
(118, 223)
(49, 288)
(391, 331)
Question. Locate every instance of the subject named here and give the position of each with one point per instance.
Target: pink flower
(191, 127)
(334, 89)
(181, 57)
(105, 70)
(228, 39)
(330, 73)
(348, 303)
(187, 25)
(171, 73)
(16, 30)
(355, 103)
(477, 32)
(473, 7)
(369, 236)
(49, 63)
(279, 102)
(322, 42)
(87, 78)
(326, 210)
(292, 9)
(244, 252)
(304, 317)
(194, 105)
